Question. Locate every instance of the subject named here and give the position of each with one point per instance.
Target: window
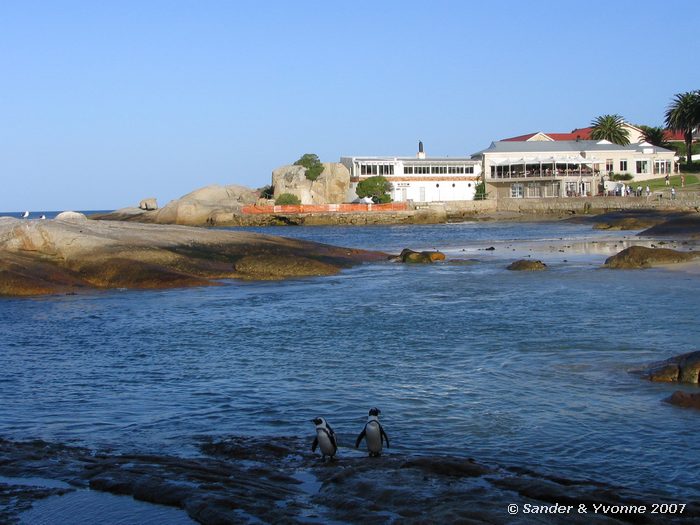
(470, 169)
(408, 169)
(642, 166)
(623, 165)
(516, 191)
(609, 165)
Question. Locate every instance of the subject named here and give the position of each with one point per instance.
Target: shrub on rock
(287, 198)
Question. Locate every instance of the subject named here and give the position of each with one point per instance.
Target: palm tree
(655, 135)
(609, 127)
(683, 115)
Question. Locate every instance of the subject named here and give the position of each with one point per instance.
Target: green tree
(683, 114)
(267, 192)
(609, 127)
(480, 194)
(655, 135)
(287, 198)
(377, 188)
(313, 165)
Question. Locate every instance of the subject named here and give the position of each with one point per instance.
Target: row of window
(376, 169)
(642, 166)
(438, 170)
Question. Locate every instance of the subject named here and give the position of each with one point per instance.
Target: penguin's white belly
(325, 443)
(373, 437)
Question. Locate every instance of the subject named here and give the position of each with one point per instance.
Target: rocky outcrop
(687, 226)
(627, 223)
(684, 399)
(278, 480)
(684, 368)
(643, 257)
(148, 204)
(71, 216)
(331, 186)
(68, 255)
(426, 257)
(527, 265)
(198, 208)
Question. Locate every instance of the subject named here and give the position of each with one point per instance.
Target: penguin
(25, 215)
(325, 438)
(373, 434)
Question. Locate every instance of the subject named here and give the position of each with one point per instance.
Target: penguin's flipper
(386, 438)
(314, 444)
(360, 438)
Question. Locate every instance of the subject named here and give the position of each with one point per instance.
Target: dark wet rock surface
(683, 368)
(687, 226)
(527, 265)
(684, 399)
(642, 257)
(636, 219)
(279, 480)
(426, 257)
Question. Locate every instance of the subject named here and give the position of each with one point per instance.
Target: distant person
(648, 191)
(682, 181)
(639, 190)
(673, 193)
(668, 181)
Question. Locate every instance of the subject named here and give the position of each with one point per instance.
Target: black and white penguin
(373, 434)
(325, 438)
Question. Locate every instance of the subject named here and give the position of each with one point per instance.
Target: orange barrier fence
(326, 208)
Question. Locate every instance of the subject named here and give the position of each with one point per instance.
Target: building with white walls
(419, 178)
(571, 168)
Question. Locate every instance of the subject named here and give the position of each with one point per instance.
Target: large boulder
(684, 368)
(148, 204)
(684, 399)
(411, 256)
(527, 265)
(643, 257)
(331, 186)
(71, 216)
(198, 208)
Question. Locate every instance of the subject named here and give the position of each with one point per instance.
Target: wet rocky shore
(278, 480)
(71, 254)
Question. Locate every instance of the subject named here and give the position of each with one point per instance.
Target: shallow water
(466, 359)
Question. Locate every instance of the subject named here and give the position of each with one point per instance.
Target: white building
(545, 168)
(419, 178)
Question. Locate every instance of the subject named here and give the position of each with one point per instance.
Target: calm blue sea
(36, 214)
(464, 359)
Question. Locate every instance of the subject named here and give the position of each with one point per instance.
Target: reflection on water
(465, 359)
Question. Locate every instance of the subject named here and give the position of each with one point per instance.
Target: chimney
(421, 153)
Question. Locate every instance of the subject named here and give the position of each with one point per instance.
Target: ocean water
(463, 358)
(47, 214)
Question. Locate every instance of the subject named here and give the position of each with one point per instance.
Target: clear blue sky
(105, 103)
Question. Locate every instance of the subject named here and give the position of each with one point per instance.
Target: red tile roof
(674, 135)
(584, 134)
